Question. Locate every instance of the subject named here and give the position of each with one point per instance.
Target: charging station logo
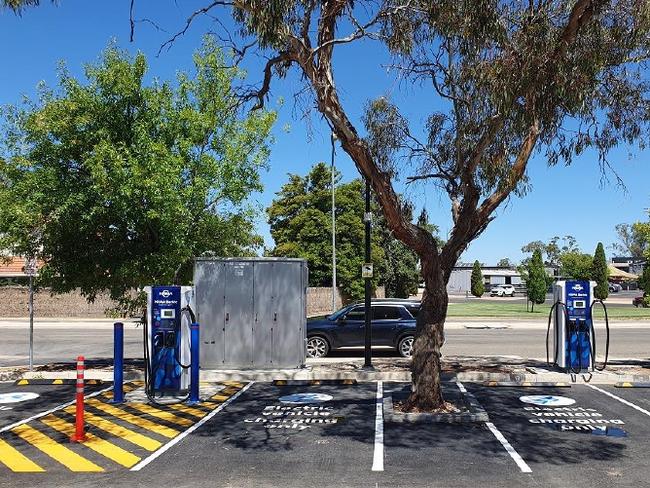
(547, 400)
(577, 287)
(165, 293)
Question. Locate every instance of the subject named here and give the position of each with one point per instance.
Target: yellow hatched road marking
(126, 389)
(195, 412)
(220, 398)
(127, 434)
(58, 452)
(133, 419)
(236, 384)
(161, 414)
(97, 444)
(15, 461)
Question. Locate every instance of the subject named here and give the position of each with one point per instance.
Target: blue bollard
(118, 362)
(194, 363)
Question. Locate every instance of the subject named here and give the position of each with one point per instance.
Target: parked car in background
(639, 302)
(392, 322)
(502, 291)
(615, 287)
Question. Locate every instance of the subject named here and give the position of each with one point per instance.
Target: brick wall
(14, 303)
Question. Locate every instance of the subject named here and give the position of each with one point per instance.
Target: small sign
(366, 270)
(30, 266)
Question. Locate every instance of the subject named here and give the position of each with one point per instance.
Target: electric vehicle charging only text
(574, 335)
(167, 350)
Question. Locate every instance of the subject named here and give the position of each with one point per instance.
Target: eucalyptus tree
(511, 78)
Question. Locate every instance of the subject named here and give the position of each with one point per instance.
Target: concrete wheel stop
(470, 410)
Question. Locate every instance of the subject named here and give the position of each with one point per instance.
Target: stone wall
(14, 303)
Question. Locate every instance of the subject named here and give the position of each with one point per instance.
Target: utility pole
(367, 275)
(334, 290)
(30, 270)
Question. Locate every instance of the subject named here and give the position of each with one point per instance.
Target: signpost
(30, 270)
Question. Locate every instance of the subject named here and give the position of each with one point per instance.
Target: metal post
(79, 434)
(118, 362)
(194, 363)
(334, 291)
(31, 322)
(368, 332)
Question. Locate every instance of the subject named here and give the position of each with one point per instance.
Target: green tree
(505, 263)
(600, 273)
(536, 283)
(301, 226)
(644, 284)
(399, 268)
(552, 250)
(634, 239)
(507, 79)
(116, 184)
(477, 285)
(576, 265)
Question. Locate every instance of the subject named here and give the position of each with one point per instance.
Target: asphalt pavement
(335, 435)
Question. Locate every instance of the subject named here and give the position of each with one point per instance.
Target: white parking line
(378, 457)
(623, 401)
(511, 450)
(191, 429)
(504, 442)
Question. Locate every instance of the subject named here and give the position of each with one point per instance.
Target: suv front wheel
(405, 346)
(317, 347)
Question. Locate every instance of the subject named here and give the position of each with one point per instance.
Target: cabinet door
(209, 282)
(239, 314)
(288, 310)
(264, 292)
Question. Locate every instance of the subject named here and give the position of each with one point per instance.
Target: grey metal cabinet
(252, 312)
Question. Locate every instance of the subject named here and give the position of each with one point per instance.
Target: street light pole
(334, 290)
(368, 278)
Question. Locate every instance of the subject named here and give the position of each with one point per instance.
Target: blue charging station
(166, 340)
(574, 335)
(171, 343)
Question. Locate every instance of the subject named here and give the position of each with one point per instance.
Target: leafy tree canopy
(507, 78)
(576, 265)
(117, 184)
(633, 239)
(505, 262)
(552, 250)
(301, 226)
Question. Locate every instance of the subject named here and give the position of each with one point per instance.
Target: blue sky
(77, 30)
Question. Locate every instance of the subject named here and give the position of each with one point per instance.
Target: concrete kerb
(475, 412)
(515, 379)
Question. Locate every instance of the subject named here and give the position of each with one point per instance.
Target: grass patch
(518, 310)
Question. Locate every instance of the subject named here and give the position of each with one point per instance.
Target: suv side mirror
(341, 320)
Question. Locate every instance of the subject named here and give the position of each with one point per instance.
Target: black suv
(393, 324)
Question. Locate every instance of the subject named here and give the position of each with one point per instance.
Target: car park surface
(329, 434)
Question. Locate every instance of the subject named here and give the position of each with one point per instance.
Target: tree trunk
(426, 390)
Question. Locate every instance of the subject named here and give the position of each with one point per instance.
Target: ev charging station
(574, 336)
(167, 341)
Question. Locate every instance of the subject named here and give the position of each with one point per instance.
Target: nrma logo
(165, 293)
(577, 287)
